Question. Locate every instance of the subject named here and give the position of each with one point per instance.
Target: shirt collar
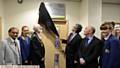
(90, 37)
(24, 37)
(74, 33)
(12, 40)
(106, 38)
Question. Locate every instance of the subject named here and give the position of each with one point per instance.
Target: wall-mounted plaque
(56, 10)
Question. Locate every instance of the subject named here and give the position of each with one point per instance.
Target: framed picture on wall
(56, 10)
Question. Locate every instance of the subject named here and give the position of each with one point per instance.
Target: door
(62, 27)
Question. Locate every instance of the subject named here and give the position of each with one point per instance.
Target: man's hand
(82, 61)
(26, 61)
(42, 59)
(75, 61)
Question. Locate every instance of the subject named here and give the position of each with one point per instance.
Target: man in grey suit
(10, 49)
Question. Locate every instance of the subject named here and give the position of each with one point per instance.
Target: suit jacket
(71, 50)
(72, 46)
(8, 54)
(37, 50)
(25, 48)
(90, 53)
(111, 53)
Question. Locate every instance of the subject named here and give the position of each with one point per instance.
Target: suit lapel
(12, 46)
(73, 38)
(18, 45)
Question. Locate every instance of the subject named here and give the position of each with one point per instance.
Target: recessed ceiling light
(20, 1)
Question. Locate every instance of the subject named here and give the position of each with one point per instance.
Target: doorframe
(0, 28)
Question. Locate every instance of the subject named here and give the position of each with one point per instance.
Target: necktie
(16, 47)
(15, 44)
(86, 41)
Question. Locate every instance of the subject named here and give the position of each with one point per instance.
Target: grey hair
(36, 27)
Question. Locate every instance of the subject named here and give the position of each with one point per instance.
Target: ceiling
(73, 0)
(104, 1)
(111, 1)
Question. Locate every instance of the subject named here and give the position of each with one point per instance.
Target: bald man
(90, 49)
(37, 50)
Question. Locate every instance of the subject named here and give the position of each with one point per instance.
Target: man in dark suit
(37, 50)
(90, 49)
(73, 43)
(111, 51)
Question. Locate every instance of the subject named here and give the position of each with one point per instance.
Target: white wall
(83, 15)
(2, 16)
(90, 14)
(1, 8)
(95, 15)
(84, 12)
(27, 13)
(111, 12)
(73, 13)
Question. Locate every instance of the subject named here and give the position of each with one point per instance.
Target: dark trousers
(69, 61)
(42, 64)
(77, 65)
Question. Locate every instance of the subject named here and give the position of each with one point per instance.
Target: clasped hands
(82, 61)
